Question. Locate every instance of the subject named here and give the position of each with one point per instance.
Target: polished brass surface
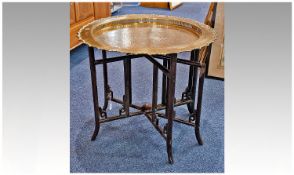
(146, 34)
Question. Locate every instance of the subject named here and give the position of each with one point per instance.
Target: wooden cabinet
(84, 10)
(102, 10)
(72, 13)
(155, 4)
(82, 13)
(216, 60)
(169, 5)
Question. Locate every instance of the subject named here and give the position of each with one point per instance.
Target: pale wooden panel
(216, 62)
(84, 10)
(102, 9)
(72, 13)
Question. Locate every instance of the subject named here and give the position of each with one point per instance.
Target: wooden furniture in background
(155, 4)
(214, 55)
(169, 5)
(216, 60)
(81, 13)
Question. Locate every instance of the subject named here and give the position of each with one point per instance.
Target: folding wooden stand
(168, 101)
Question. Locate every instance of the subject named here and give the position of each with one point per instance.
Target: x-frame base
(168, 101)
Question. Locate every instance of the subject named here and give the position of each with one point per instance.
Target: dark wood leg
(154, 92)
(95, 92)
(199, 104)
(166, 63)
(163, 96)
(107, 90)
(128, 86)
(191, 72)
(192, 82)
(170, 113)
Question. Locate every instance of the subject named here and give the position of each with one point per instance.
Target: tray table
(152, 37)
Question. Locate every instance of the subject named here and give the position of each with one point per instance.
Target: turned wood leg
(94, 92)
(170, 113)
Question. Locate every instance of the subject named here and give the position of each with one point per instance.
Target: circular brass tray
(146, 34)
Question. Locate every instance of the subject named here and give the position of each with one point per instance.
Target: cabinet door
(102, 9)
(72, 13)
(84, 10)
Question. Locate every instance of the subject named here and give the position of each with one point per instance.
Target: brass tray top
(146, 34)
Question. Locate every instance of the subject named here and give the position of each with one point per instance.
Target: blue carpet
(133, 145)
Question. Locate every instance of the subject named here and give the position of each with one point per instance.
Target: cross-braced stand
(168, 101)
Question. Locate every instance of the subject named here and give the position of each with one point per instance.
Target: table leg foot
(97, 110)
(169, 151)
(198, 135)
(199, 104)
(95, 133)
(170, 113)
